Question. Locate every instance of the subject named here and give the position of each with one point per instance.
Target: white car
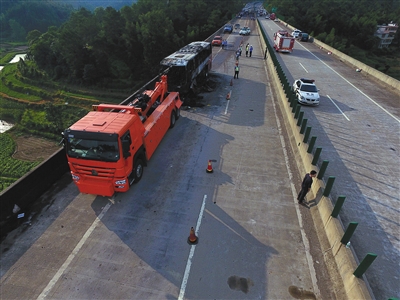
(245, 31)
(296, 33)
(306, 91)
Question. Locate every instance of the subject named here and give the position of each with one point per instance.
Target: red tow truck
(108, 148)
(283, 41)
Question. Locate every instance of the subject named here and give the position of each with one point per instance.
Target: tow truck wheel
(137, 171)
(173, 120)
(178, 113)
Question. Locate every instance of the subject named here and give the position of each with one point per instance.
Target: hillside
(18, 17)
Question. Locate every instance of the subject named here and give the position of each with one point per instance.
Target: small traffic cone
(209, 167)
(231, 81)
(192, 239)
(228, 96)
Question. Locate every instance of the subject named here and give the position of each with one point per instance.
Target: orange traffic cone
(231, 81)
(192, 239)
(228, 96)
(209, 167)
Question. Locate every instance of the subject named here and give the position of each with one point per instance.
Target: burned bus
(188, 67)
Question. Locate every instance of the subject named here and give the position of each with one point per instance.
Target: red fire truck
(283, 42)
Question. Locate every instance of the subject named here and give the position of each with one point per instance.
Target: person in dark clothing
(306, 185)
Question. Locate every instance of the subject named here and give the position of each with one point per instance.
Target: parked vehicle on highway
(237, 26)
(108, 148)
(217, 41)
(296, 33)
(304, 37)
(245, 31)
(188, 67)
(283, 42)
(306, 91)
(228, 28)
(272, 16)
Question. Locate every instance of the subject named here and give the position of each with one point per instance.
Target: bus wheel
(173, 120)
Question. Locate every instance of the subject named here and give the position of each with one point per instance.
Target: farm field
(12, 168)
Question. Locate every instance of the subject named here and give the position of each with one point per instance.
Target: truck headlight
(75, 177)
(120, 182)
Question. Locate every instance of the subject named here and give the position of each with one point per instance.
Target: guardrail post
(294, 105)
(329, 186)
(323, 169)
(292, 101)
(300, 119)
(338, 206)
(316, 156)
(307, 134)
(303, 126)
(348, 233)
(364, 265)
(312, 143)
(296, 114)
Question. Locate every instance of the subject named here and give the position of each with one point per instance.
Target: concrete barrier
(341, 262)
(28, 188)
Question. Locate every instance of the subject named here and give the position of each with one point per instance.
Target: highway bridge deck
(255, 241)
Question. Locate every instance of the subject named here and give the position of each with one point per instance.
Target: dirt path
(31, 148)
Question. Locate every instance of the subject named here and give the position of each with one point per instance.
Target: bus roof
(183, 55)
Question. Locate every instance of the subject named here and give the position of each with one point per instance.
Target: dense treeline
(96, 47)
(18, 17)
(93, 4)
(340, 23)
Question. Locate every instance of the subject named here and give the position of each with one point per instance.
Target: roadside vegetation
(11, 169)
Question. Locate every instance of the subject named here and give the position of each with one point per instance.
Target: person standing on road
(251, 50)
(247, 49)
(236, 72)
(306, 185)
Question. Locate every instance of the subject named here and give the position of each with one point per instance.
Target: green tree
(157, 36)
(18, 32)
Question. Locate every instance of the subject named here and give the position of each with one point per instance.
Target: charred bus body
(188, 67)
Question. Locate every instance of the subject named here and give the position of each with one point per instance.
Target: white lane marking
(303, 67)
(227, 102)
(303, 234)
(191, 253)
(74, 252)
(338, 108)
(368, 97)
